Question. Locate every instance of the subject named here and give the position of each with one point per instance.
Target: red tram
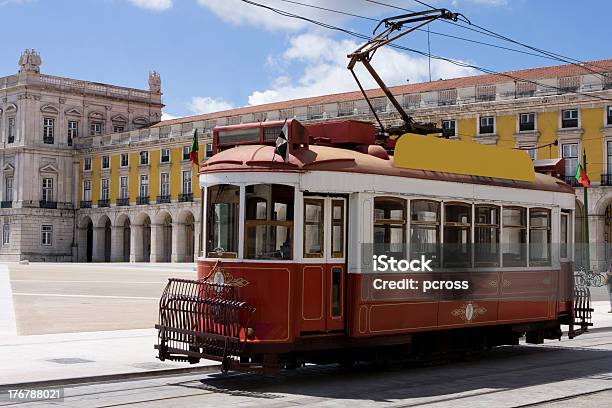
(286, 279)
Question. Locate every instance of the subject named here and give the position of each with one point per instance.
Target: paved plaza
(68, 298)
(89, 328)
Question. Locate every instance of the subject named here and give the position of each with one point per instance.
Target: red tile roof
(531, 74)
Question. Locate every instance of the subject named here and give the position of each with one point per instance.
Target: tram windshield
(223, 205)
(268, 224)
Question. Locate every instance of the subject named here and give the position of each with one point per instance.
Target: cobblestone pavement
(573, 373)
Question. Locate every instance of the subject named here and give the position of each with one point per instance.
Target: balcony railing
(86, 204)
(569, 123)
(6, 204)
(142, 200)
(123, 201)
(48, 204)
(163, 199)
(571, 180)
(183, 198)
(104, 203)
(606, 179)
(48, 140)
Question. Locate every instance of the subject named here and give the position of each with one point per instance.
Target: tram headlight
(250, 332)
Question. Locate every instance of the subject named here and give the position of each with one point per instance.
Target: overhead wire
(485, 31)
(423, 53)
(470, 40)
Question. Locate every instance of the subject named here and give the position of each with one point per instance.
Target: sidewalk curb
(110, 377)
(599, 329)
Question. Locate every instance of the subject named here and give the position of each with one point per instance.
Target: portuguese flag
(581, 176)
(193, 152)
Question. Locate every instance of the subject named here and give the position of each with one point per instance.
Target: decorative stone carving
(141, 121)
(30, 61)
(154, 82)
(73, 112)
(120, 119)
(11, 108)
(96, 115)
(9, 168)
(28, 96)
(48, 108)
(48, 168)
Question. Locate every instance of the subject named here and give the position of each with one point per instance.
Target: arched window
(514, 238)
(457, 234)
(425, 230)
(539, 237)
(389, 226)
(486, 235)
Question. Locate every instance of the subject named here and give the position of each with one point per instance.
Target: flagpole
(585, 226)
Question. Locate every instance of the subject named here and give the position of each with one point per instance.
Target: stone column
(178, 242)
(597, 245)
(136, 249)
(117, 243)
(97, 254)
(81, 244)
(196, 241)
(157, 238)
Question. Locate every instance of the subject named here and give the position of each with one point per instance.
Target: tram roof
(326, 158)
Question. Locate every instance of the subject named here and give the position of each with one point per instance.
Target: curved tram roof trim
(462, 157)
(261, 159)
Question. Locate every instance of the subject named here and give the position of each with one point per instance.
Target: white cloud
(167, 116)
(238, 12)
(323, 69)
(206, 104)
(155, 5)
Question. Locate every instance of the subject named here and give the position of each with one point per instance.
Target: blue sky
(216, 54)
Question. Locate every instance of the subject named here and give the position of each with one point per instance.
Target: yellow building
(550, 112)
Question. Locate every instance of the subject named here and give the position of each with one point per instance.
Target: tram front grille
(200, 319)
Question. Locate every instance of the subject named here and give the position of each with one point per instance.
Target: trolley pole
(585, 227)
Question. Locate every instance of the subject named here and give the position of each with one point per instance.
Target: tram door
(324, 271)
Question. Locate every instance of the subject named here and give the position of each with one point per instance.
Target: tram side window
(539, 237)
(337, 244)
(486, 235)
(269, 221)
(514, 236)
(564, 241)
(425, 230)
(457, 234)
(222, 226)
(313, 228)
(390, 226)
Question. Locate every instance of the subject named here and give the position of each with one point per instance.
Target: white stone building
(41, 117)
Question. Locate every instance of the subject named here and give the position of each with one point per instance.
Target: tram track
(249, 384)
